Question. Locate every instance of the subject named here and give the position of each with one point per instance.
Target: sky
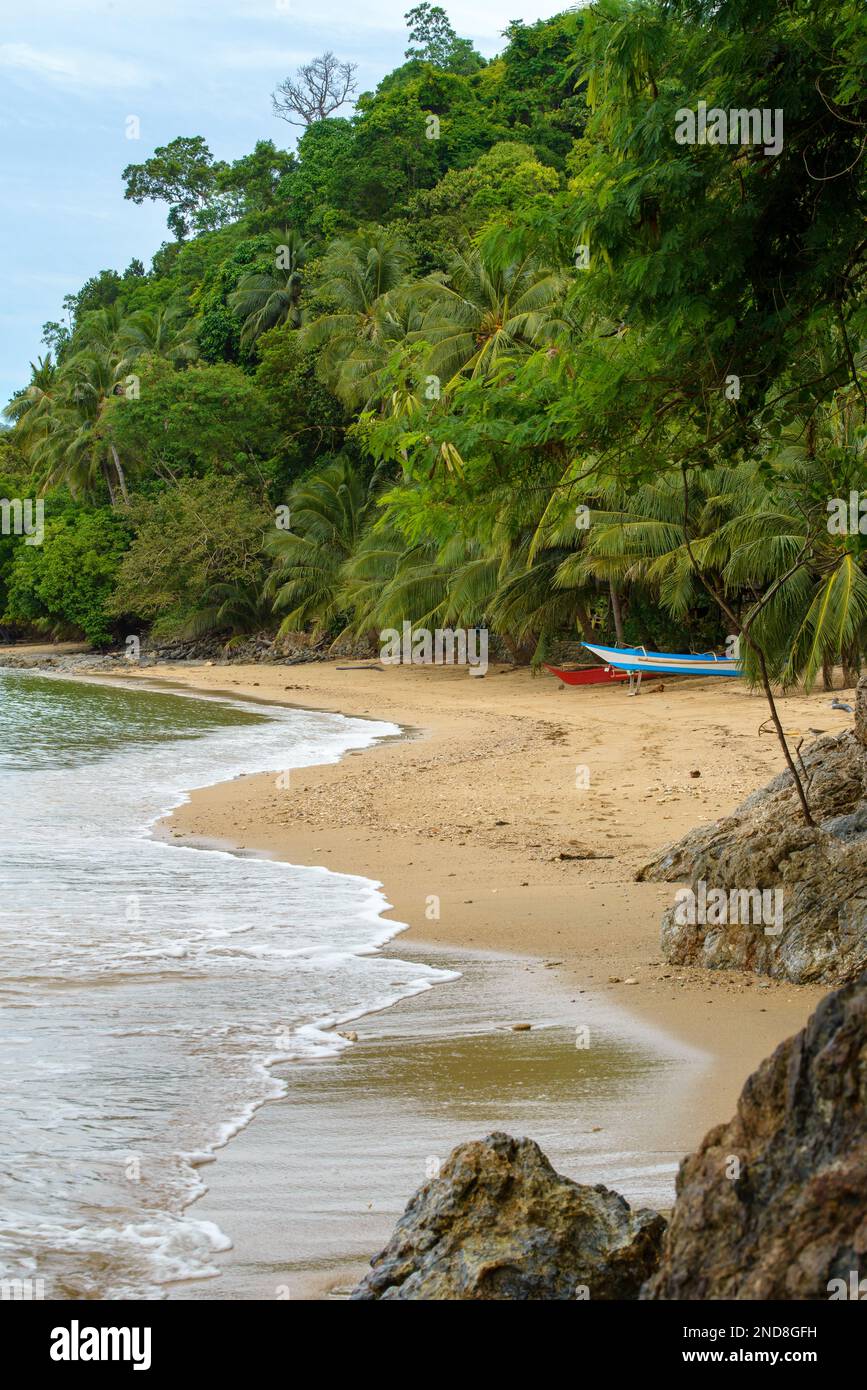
(73, 71)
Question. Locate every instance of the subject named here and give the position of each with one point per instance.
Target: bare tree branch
(318, 88)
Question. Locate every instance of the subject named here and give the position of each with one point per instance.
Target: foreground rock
(816, 876)
(499, 1223)
(774, 1204)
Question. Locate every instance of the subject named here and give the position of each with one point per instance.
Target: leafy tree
(391, 155)
(218, 328)
(505, 178)
(182, 174)
(56, 337)
(538, 92)
(437, 43)
(205, 420)
(188, 538)
(255, 178)
(312, 189)
(65, 584)
(309, 418)
(99, 292)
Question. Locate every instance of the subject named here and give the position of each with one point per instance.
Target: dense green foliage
(199, 534)
(495, 349)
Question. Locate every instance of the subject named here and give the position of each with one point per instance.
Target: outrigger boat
(638, 661)
(587, 675)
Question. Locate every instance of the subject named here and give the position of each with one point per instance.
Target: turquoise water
(146, 988)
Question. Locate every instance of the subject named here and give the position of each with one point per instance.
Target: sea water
(147, 989)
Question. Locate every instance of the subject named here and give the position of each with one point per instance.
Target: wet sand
(316, 1183)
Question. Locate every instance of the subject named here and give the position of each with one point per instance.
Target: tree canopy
(569, 342)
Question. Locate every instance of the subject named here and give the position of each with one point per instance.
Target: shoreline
(455, 816)
(376, 839)
(460, 811)
(314, 1186)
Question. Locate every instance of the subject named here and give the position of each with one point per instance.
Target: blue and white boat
(639, 659)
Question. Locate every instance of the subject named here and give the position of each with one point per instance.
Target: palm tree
(412, 566)
(810, 609)
(162, 332)
(636, 537)
(760, 540)
(65, 433)
(101, 329)
(362, 276)
(387, 581)
(30, 410)
(241, 608)
(265, 299)
(328, 514)
(483, 313)
(62, 418)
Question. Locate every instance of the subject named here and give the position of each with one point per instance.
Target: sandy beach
(506, 825)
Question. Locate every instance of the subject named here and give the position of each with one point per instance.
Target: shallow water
(317, 1183)
(146, 988)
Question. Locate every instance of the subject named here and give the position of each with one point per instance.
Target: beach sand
(506, 827)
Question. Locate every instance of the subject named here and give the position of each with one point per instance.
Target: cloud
(331, 22)
(246, 57)
(52, 206)
(54, 279)
(71, 68)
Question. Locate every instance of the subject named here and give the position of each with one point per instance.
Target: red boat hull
(588, 675)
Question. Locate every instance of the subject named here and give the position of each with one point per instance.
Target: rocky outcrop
(291, 651)
(814, 928)
(499, 1223)
(774, 1204)
(861, 711)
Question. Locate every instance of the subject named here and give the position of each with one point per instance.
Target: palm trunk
(827, 673)
(616, 612)
(744, 632)
(520, 652)
(107, 476)
(584, 620)
(121, 478)
(781, 736)
(851, 664)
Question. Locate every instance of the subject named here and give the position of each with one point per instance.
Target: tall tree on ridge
(319, 88)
